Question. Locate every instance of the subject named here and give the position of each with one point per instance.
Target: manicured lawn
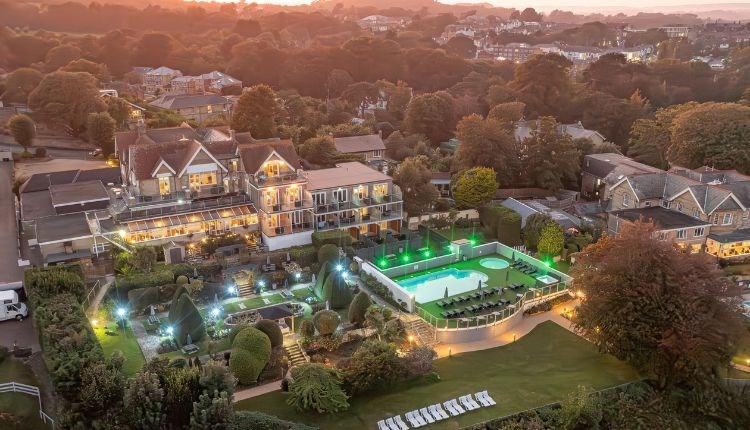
(542, 367)
(254, 303)
(456, 233)
(125, 342)
(24, 406)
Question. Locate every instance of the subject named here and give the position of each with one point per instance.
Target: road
(6, 143)
(9, 270)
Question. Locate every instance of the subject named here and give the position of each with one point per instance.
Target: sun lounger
(464, 401)
(444, 314)
(457, 407)
(487, 397)
(426, 415)
(434, 412)
(392, 424)
(473, 401)
(480, 397)
(440, 411)
(440, 303)
(419, 417)
(382, 425)
(410, 417)
(449, 406)
(401, 424)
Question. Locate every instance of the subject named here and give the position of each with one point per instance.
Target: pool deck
(497, 278)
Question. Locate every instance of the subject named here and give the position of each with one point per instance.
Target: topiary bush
(358, 308)
(187, 320)
(141, 298)
(244, 368)
(251, 350)
(272, 330)
(180, 290)
(320, 280)
(181, 280)
(236, 329)
(336, 291)
(307, 329)
(326, 322)
(328, 253)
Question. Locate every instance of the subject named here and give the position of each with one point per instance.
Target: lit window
(679, 206)
(698, 232)
(340, 195)
(199, 179)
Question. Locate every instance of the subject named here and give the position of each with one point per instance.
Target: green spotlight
(383, 262)
(547, 263)
(427, 253)
(472, 241)
(405, 258)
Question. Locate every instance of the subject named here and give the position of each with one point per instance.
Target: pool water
(431, 286)
(494, 263)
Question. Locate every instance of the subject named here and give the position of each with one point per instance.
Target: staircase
(294, 352)
(245, 290)
(419, 328)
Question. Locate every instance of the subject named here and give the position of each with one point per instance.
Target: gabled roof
(163, 70)
(664, 219)
(254, 153)
(183, 101)
(355, 144)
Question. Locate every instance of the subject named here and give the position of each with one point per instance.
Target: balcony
(287, 228)
(286, 206)
(261, 180)
(186, 206)
(358, 203)
(337, 221)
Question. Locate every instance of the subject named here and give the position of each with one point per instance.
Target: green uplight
(472, 241)
(427, 253)
(405, 258)
(383, 262)
(547, 263)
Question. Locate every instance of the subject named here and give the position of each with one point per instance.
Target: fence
(91, 294)
(15, 387)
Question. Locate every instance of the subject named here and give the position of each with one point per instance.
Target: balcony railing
(273, 181)
(188, 206)
(358, 203)
(287, 228)
(336, 221)
(286, 206)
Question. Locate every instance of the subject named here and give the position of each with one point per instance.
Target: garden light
(94, 322)
(405, 258)
(297, 275)
(345, 275)
(170, 330)
(472, 241)
(215, 312)
(383, 262)
(121, 312)
(231, 290)
(547, 263)
(262, 283)
(339, 267)
(427, 253)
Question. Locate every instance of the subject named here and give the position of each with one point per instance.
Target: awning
(183, 219)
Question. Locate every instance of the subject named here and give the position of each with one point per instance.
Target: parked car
(95, 153)
(10, 307)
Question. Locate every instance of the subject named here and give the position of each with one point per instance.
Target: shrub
(272, 330)
(140, 298)
(244, 368)
(533, 229)
(46, 282)
(328, 253)
(181, 280)
(307, 329)
(236, 329)
(358, 308)
(251, 350)
(41, 152)
(320, 281)
(180, 290)
(335, 237)
(252, 420)
(317, 387)
(336, 291)
(374, 365)
(326, 322)
(187, 320)
(143, 280)
(304, 255)
(551, 239)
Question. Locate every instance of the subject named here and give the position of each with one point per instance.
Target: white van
(10, 307)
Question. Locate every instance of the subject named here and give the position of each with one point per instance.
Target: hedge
(358, 308)
(252, 420)
(272, 330)
(143, 280)
(326, 322)
(45, 282)
(501, 223)
(140, 298)
(187, 320)
(334, 237)
(336, 292)
(328, 253)
(251, 350)
(304, 255)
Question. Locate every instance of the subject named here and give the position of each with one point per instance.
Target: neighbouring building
(198, 107)
(528, 208)
(599, 171)
(686, 232)
(159, 79)
(523, 130)
(441, 181)
(370, 146)
(382, 24)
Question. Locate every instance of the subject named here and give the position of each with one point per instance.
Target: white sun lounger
(448, 405)
(440, 411)
(392, 424)
(481, 399)
(457, 407)
(467, 403)
(410, 416)
(472, 402)
(434, 411)
(382, 425)
(420, 420)
(426, 415)
(402, 425)
(487, 397)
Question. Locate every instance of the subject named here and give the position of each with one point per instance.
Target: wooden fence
(15, 387)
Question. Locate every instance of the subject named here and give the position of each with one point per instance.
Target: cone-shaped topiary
(173, 304)
(327, 253)
(320, 280)
(336, 291)
(326, 321)
(358, 308)
(251, 351)
(272, 330)
(187, 320)
(307, 329)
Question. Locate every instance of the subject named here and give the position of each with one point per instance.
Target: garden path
(256, 391)
(147, 342)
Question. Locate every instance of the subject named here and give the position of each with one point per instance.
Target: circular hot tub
(494, 263)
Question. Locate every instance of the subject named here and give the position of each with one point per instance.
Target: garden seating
(439, 411)
(457, 407)
(154, 320)
(392, 424)
(426, 415)
(449, 406)
(413, 420)
(401, 424)
(469, 402)
(189, 349)
(382, 425)
(484, 398)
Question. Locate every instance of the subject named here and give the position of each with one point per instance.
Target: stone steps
(294, 352)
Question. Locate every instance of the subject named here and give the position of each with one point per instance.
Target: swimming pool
(431, 286)
(494, 263)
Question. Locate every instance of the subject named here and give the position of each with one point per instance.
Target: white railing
(15, 387)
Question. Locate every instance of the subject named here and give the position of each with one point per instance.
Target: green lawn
(254, 303)
(539, 368)
(456, 233)
(125, 342)
(24, 406)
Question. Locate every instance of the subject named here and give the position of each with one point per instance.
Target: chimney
(380, 133)
(231, 134)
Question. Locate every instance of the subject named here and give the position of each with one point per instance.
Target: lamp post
(121, 313)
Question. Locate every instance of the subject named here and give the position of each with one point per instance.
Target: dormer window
(625, 200)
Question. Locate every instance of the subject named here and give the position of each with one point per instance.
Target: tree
(152, 49)
(648, 142)
(256, 112)
(251, 350)
(328, 253)
(212, 412)
(431, 115)
(102, 387)
(474, 187)
(119, 110)
(413, 178)
(319, 150)
(462, 46)
(143, 258)
(500, 93)
(187, 321)
(144, 402)
(360, 95)
(336, 292)
(551, 240)
(533, 229)
(101, 130)
(374, 365)
(375, 318)
(67, 96)
(307, 329)
(542, 82)
(712, 134)
(252, 420)
(582, 409)
(358, 308)
(215, 376)
(271, 329)
(507, 113)
(480, 137)
(326, 322)
(551, 157)
(316, 387)
(502, 223)
(420, 360)
(23, 130)
(181, 389)
(338, 80)
(669, 314)
(530, 15)
(20, 83)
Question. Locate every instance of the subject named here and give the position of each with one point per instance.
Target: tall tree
(316, 387)
(361, 94)
(319, 150)
(413, 178)
(100, 128)
(20, 83)
(23, 130)
(152, 49)
(256, 112)
(337, 82)
(67, 96)
(669, 314)
(507, 114)
(480, 137)
(550, 156)
(474, 187)
(551, 240)
(532, 231)
(144, 401)
(543, 83)
(431, 115)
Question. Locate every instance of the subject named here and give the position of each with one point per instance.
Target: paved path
(257, 391)
(9, 270)
(97, 300)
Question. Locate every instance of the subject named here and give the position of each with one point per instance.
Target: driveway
(9, 270)
(20, 332)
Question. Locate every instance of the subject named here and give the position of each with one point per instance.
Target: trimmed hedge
(140, 298)
(180, 290)
(320, 281)
(252, 420)
(307, 329)
(251, 350)
(187, 320)
(304, 255)
(358, 308)
(336, 291)
(272, 330)
(328, 253)
(501, 223)
(143, 280)
(46, 282)
(334, 237)
(326, 322)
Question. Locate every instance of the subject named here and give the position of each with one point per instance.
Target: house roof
(343, 175)
(59, 228)
(78, 192)
(440, 177)
(36, 204)
(617, 165)
(42, 181)
(163, 70)
(355, 144)
(183, 101)
(663, 218)
(740, 235)
(255, 152)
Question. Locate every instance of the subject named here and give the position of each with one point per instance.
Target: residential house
(686, 232)
(381, 24)
(528, 208)
(441, 181)
(523, 130)
(158, 80)
(370, 146)
(198, 107)
(600, 171)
